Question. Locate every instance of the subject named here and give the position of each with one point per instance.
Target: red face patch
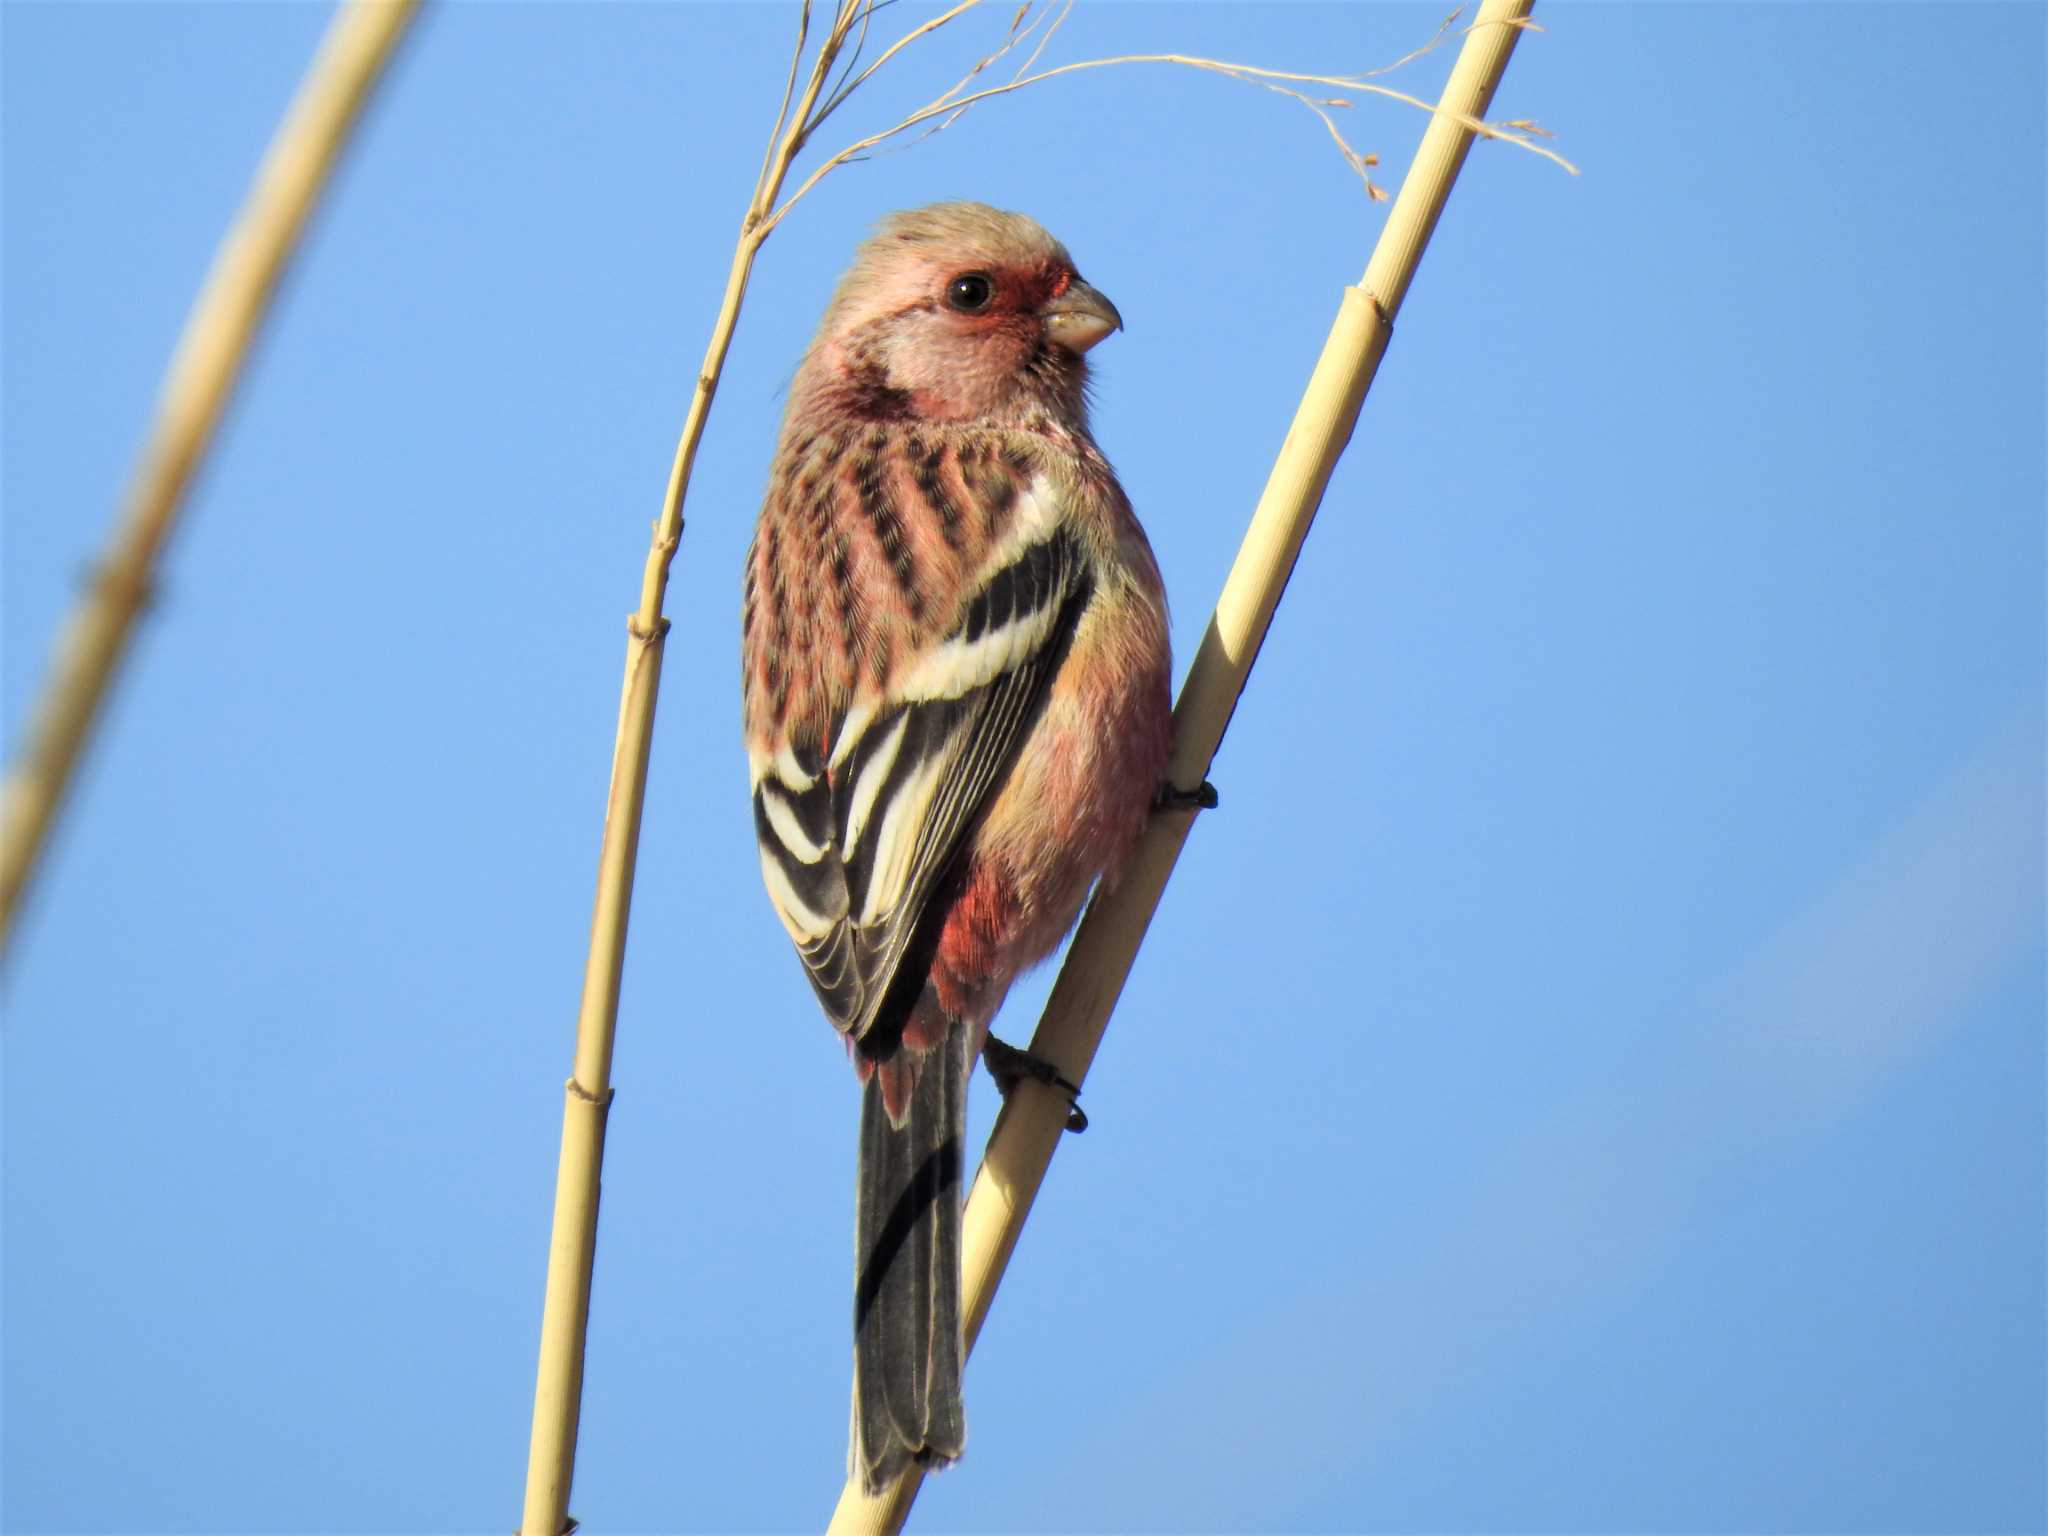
(1020, 290)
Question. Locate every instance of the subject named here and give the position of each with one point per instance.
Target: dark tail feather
(906, 1308)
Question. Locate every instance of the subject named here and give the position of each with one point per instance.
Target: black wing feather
(968, 742)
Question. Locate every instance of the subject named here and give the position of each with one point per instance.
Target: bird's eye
(970, 292)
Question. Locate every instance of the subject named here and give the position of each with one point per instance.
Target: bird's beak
(1080, 317)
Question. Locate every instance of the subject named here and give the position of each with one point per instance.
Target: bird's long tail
(906, 1310)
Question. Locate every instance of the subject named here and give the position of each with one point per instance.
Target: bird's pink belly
(1071, 811)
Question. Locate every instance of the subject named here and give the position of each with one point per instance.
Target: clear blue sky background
(1589, 1074)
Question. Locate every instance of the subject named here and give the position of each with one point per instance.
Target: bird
(957, 714)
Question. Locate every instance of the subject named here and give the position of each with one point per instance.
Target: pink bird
(957, 715)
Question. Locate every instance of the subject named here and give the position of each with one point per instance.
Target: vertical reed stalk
(565, 1312)
(1029, 1127)
(202, 376)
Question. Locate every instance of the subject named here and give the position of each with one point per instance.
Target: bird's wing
(855, 847)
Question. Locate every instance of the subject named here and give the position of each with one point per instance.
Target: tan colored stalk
(1030, 1126)
(565, 1312)
(195, 392)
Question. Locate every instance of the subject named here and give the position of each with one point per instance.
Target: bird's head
(960, 312)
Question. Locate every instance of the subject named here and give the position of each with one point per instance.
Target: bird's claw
(1173, 798)
(1010, 1066)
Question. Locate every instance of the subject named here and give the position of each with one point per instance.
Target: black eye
(970, 292)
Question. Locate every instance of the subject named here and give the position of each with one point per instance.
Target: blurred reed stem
(203, 373)
(1030, 1125)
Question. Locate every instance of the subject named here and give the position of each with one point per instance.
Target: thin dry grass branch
(1032, 1123)
(796, 60)
(558, 1384)
(948, 107)
(1443, 30)
(922, 29)
(1044, 37)
(201, 378)
(1020, 30)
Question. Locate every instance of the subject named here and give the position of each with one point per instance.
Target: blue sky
(1587, 1077)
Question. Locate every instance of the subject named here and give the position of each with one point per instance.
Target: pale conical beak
(1080, 317)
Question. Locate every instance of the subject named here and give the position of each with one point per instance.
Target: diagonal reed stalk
(203, 372)
(1030, 1125)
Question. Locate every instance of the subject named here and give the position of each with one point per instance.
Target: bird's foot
(1172, 798)
(1010, 1066)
